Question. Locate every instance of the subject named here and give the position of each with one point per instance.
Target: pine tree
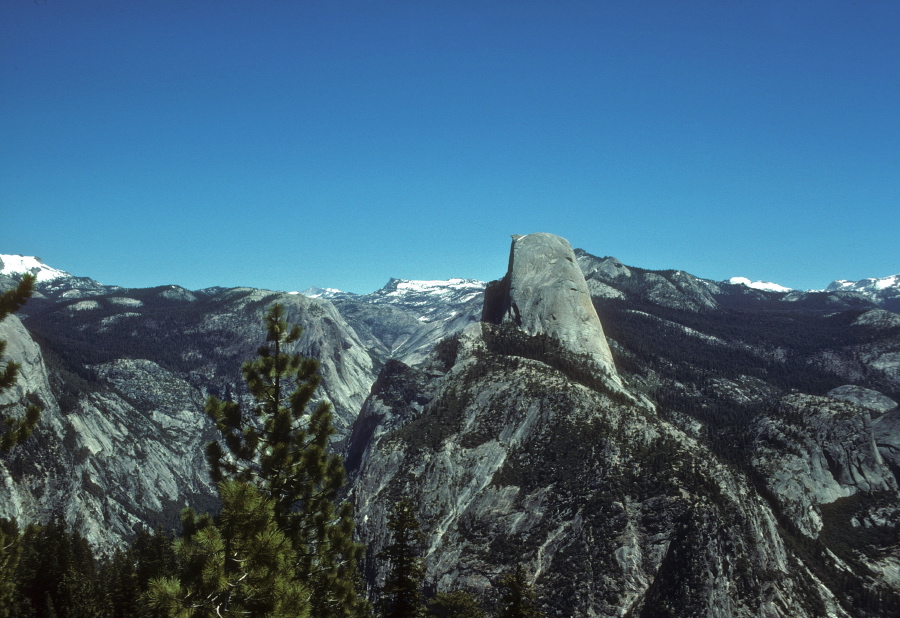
(456, 604)
(281, 447)
(119, 579)
(10, 549)
(57, 574)
(153, 556)
(237, 564)
(15, 430)
(519, 599)
(401, 596)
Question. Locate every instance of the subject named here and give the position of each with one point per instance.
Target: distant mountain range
(885, 290)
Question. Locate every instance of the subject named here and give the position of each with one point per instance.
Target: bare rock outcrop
(815, 450)
(866, 397)
(544, 293)
(886, 430)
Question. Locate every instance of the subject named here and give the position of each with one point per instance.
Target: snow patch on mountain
(871, 284)
(85, 305)
(759, 285)
(884, 291)
(24, 264)
(427, 291)
(314, 292)
(405, 285)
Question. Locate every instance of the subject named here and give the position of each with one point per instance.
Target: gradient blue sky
(286, 144)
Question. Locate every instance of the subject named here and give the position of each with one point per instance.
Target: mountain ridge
(874, 287)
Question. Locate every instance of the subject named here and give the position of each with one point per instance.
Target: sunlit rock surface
(544, 293)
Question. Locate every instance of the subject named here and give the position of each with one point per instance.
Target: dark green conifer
(153, 557)
(401, 596)
(281, 447)
(120, 581)
(456, 604)
(57, 574)
(10, 550)
(15, 430)
(519, 599)
(237, 564)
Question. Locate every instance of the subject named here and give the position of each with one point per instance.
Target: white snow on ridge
(871, 284)
(21, 264)
(85, 305)
(759, 285)
(887, 282)
(124, 300)
(314, 292)
(427, 286)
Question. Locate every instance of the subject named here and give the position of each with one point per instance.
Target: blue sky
(286, 144)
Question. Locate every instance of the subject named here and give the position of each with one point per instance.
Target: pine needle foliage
(401, 596)
(280, 446)
(456, 604)
(10, 550)
(237, 564)
(519, 599)
(14, 431)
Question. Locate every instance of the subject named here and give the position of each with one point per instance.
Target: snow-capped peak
(434, 286)
(425, 293)
(759, 285)
(314, 292)
(871, 284)
(22, 264)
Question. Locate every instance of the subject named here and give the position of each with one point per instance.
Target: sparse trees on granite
(15, 430)
(456, 604)
(10, 550)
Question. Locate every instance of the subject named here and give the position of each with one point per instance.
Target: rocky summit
(545, 293)
(642, 443)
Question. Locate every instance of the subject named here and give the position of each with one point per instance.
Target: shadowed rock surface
(865, 397)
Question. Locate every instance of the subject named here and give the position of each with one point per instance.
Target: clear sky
(284, 144)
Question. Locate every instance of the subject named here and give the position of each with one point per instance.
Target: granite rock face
(121, 439)
(21, 348)
(612, 510)
(886, 430)
(608, 278)
(699, 481)
(126, 452)
(405, 319)
(814, 451)
(865, 397)
(544, 292)
(513, 456)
